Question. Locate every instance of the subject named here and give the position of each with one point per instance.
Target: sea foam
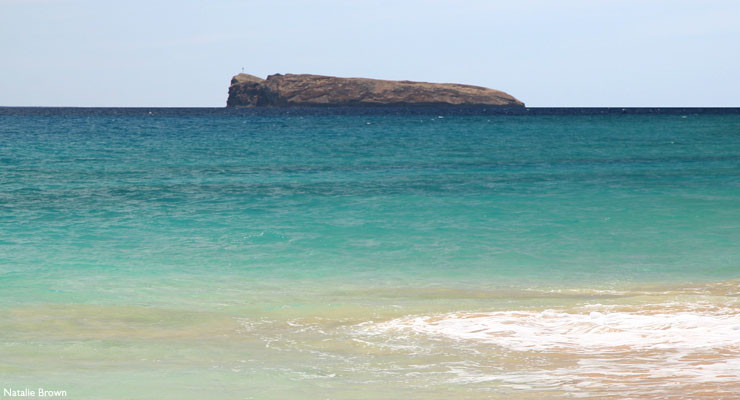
(658, 350)
(585, 331)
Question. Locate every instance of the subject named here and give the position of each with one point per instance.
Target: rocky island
(316, 90)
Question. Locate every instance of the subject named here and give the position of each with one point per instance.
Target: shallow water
(207, 253)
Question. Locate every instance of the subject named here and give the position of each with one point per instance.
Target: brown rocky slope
(316, 90)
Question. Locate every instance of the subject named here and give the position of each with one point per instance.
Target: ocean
(370, 253)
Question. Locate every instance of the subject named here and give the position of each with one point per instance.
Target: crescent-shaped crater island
(317, 90)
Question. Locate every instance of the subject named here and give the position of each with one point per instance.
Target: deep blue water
(561, 194)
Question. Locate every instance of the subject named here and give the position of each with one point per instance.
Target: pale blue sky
(546, 53)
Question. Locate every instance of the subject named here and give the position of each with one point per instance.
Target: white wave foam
(554, 330)
(648, 351)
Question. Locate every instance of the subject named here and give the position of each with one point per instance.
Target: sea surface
(370, 254)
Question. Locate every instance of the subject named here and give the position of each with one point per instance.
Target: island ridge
(316, 90)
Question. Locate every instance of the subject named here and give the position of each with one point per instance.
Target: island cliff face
(316, 90)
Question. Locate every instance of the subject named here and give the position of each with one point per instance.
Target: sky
(568, 53)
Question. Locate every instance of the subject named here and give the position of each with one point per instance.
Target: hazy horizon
(183, 54)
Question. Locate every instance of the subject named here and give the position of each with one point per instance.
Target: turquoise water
(163, 254)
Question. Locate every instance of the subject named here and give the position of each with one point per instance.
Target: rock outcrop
(316, 90)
